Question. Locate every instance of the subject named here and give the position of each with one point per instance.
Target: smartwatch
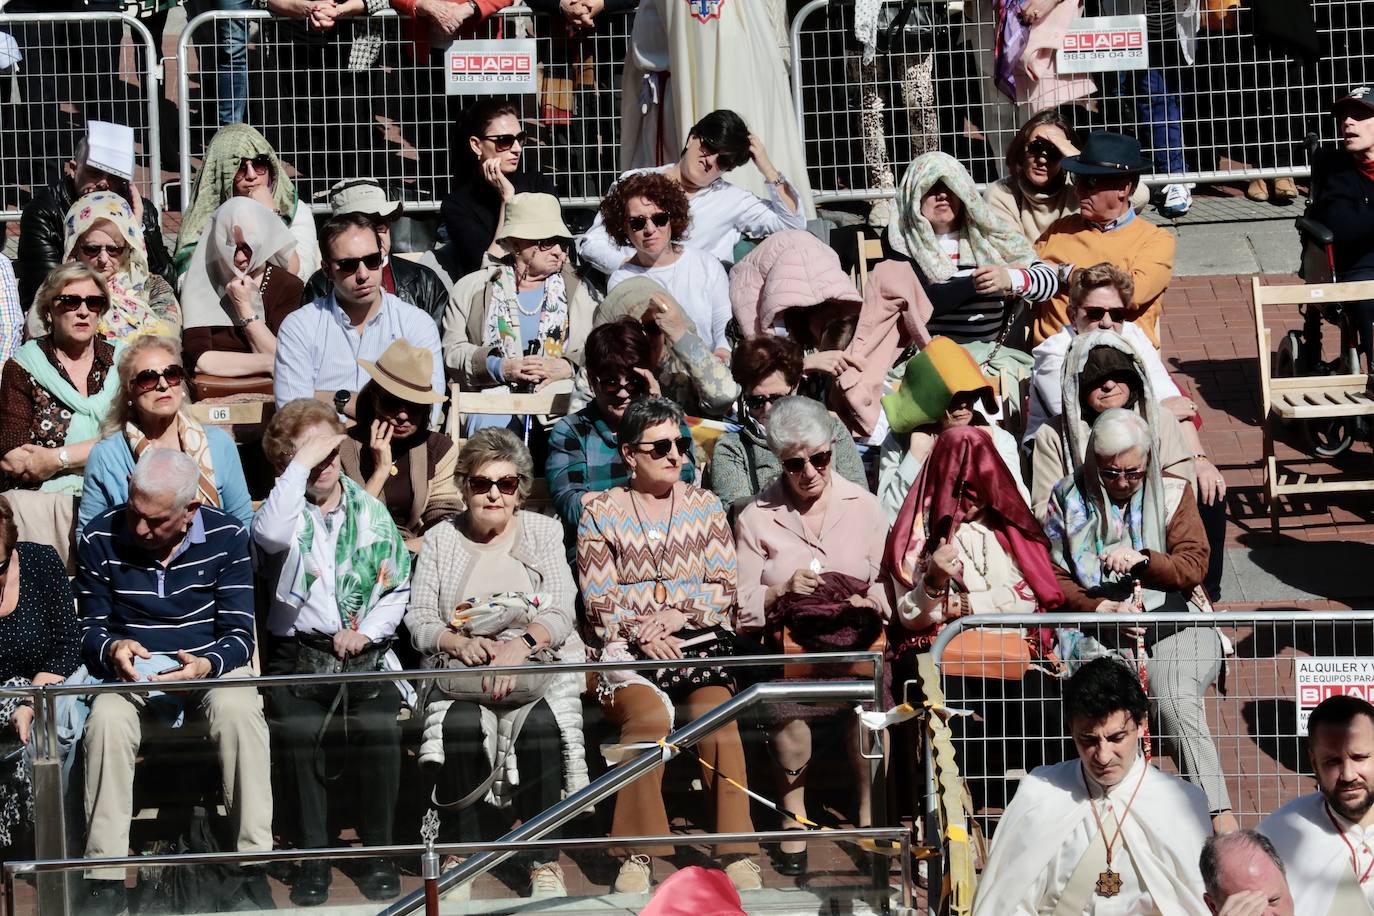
(341, 398)
(529, 641)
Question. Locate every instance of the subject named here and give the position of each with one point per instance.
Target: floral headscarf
(129, 310)
(214, 184)
(986, 237)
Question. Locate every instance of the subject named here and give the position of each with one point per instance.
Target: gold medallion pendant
(1108, 884)
(660, 592)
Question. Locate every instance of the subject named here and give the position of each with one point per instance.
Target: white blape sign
(1098, 44)
(501, 66)
(1319, 678)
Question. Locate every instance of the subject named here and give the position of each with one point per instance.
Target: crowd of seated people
(754, 456)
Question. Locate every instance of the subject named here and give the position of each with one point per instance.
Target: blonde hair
(1100, 276)
(279, 440)
(57, 280)
(489, 446)
(122, 407)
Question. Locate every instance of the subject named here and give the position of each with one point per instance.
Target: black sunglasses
(260, 163)
(760, 401)
(388, 403)
(637, 223)
(634, 385)
(350, 265)
(1043, 150)
(1119, 473)
(1095, 313)
(147, 380)
(503, 142)
(69, 303)
(659, 448)
(820, 461)
(92, 250)
(506, 485)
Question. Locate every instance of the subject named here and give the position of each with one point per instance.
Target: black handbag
(710, 642)
(315, 655)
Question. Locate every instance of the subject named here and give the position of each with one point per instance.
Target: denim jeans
(231, 59)
(1159, 115)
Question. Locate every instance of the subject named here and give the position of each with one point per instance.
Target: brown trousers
(639, 811)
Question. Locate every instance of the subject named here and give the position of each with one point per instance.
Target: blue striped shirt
(201, 601)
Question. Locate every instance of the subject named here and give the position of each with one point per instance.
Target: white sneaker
(1175, 201)
(546, 882)
(636, 876)
(745, 874)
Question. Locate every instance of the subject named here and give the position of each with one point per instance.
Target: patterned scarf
(129, 312)
(985, 237)
(370, 557)
(194, 442)
(503, 318)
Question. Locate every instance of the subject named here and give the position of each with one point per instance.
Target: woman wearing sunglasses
(768, 369)
(391, 449)
(506, 571)
(648, 211)
(810, 534)
(1037, 190)
(239, 162)
(474, 212)
(103, 233)
(241, 285)
(655, 558)
(153, 411)
(520, 320)
(53, 395)
(1120, 525)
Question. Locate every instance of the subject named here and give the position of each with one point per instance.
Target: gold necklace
(660, 590)
(1109, 882)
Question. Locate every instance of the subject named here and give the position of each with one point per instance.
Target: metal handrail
(625, 773)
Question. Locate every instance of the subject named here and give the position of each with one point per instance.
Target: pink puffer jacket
(790, 269)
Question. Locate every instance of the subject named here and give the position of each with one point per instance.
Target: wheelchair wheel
(1326, 438)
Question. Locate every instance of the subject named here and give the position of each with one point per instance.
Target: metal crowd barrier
(1240, 111)
(50, 817)
(75, 67)
(1275, 675)
(392, 121)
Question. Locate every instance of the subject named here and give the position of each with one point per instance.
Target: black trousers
(362, 738)
(539, 756)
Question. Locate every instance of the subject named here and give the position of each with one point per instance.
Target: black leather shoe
(790, 864)
(254, 893)
(311, 887)
(104, 898)
(379, 880)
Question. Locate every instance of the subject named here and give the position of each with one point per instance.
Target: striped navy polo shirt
(202, 601)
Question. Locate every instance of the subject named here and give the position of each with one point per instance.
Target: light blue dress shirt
(318, 349)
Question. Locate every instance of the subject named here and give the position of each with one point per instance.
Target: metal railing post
(625, 773)
(49, 814)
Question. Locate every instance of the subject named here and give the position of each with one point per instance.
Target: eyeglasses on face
(392, 406)
(66, 302)
(147, 380)
(92, 251)
(1096, 312)
(371, 261)
(659, 448)
(760, 401)
(795, 465)
(1121, 473)
(551, 243)
(1093, 182)
(505, 485)
(259, 163)
(503, 142)
(633, 385)
(637, 223)
(1041, 149)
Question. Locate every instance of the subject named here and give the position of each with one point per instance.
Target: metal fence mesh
(1243, 746)
(1241, 109)
(392, 120)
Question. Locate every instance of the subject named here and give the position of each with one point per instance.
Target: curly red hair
(654, 187)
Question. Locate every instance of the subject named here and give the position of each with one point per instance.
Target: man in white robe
(1050, 855)
(1243, 875)
(1326, 838)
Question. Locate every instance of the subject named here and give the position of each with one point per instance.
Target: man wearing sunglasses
(321, 345)
(42, 227)
(1105, 229)
(406, 280)
(721, 212)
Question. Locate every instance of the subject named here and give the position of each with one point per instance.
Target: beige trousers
(113, 734)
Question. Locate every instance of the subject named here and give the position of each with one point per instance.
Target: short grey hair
(798, 422)
(1218, 845)
(1119, 430)
(166, 470)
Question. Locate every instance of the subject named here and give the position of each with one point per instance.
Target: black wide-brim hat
(1106, 153)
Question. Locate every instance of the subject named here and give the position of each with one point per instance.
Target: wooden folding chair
(870, 253)
(502, 403)
(1306, 397)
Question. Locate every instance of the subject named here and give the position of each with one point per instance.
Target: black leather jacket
(42, 234)
(415, 283)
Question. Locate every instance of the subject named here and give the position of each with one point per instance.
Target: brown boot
(1285, 190)
(1258, 190)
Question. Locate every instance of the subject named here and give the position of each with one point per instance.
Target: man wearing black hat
(1346, 202)
(1105, 229)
